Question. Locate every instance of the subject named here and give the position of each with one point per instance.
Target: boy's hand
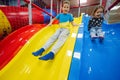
(76, 25)
(49, 25)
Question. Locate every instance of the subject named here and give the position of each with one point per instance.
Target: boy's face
(98, 13)
(66, 8)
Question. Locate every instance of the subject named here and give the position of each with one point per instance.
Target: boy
(61, 34)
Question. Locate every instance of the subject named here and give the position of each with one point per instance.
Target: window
(115, 7)
(83, 1)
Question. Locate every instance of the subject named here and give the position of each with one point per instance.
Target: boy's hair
(66, 2)
(97, 9)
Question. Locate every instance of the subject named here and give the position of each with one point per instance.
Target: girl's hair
(98, 7)
(66, 2)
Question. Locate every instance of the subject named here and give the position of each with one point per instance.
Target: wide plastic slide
(25, 66)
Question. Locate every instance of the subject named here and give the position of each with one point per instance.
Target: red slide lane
(15, 41)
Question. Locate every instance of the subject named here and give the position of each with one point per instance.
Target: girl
(95, 22)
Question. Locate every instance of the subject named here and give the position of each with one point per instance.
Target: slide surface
(10, 46)
(25, 66)
(100, 60)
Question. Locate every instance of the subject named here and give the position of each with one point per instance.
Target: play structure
(13, 18)
(78, 59)
(88, 59)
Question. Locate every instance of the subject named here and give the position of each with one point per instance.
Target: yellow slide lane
(25, 66)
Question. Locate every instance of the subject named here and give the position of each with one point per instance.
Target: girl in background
(94, 25)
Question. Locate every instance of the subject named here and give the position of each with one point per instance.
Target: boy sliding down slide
(60, 35)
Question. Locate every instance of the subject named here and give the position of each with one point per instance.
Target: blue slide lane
(76, 59)
(98, 60)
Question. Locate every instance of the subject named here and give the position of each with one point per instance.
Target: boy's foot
(39, 52)
(48, 56)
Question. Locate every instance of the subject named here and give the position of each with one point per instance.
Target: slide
(25, 66)
(10, 46)
(101, 60)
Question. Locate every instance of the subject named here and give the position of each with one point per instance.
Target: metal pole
(51, 9)
(101, 2)
(57, 6)
(18, 3)
(30, 12)
(60, 5)
(79, 9)
(107, 6)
